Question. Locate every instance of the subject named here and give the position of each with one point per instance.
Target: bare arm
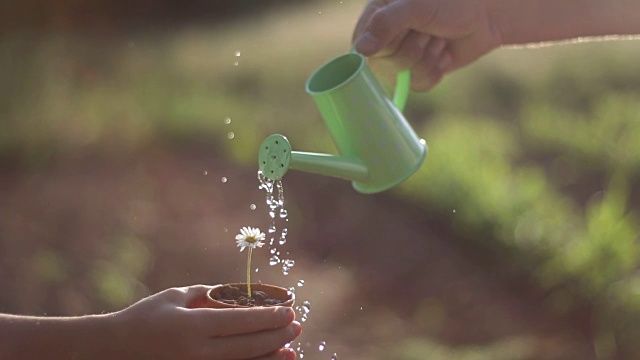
(528, 21)
(26, 337)
(159, 327)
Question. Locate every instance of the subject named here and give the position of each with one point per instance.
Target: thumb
(192, 297)
(388, 22)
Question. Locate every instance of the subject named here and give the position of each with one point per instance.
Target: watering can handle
(400, 95)
(403, 82)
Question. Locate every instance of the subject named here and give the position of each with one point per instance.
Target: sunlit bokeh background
(129, 134)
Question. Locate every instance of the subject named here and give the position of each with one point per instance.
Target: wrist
(90, 336)
(120, 333)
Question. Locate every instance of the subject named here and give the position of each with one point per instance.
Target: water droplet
(322, 346)
(272, 229)
(238, 53)
(227, 121)
(252, 206)
(231, 135)
(334, 356)
(304, 310)
(287, 264)
(319, 12)
(423, 141)
(454, 211)
(300, 283)
(206, 173)
(275, 260)
(235, 63)
(257, 269)
(283, 213)
(223, 179)
(225, 229)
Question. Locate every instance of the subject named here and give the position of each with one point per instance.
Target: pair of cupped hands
(167, 326)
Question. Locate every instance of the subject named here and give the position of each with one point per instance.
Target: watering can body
(377, 147)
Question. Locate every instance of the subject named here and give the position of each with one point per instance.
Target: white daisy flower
(249, 237)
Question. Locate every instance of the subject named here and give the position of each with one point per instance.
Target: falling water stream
(279, 215)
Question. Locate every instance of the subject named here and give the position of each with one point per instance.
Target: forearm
(531, 21)
(27, 338)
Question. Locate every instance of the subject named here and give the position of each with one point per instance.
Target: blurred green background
(128, 149)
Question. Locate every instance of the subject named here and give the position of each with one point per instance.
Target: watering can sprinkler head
(378, 148)
(274, 157)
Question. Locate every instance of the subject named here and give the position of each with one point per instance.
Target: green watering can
(378, 148)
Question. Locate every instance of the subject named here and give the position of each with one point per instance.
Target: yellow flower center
(251, 239)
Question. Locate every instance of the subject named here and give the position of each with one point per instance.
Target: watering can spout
(276, 158)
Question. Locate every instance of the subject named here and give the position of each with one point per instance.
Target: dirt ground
(376, 270)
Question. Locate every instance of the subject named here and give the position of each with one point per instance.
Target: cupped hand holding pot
(159, 327)
(163, 327)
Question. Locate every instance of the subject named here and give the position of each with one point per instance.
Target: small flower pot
(235, 296)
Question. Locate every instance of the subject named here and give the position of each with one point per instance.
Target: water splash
(274, 200)
(287, 264)
(283, 237)
(304, 310)
(275, 260)
(275, 203)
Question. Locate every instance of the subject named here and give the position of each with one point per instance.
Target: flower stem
(249, 272)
